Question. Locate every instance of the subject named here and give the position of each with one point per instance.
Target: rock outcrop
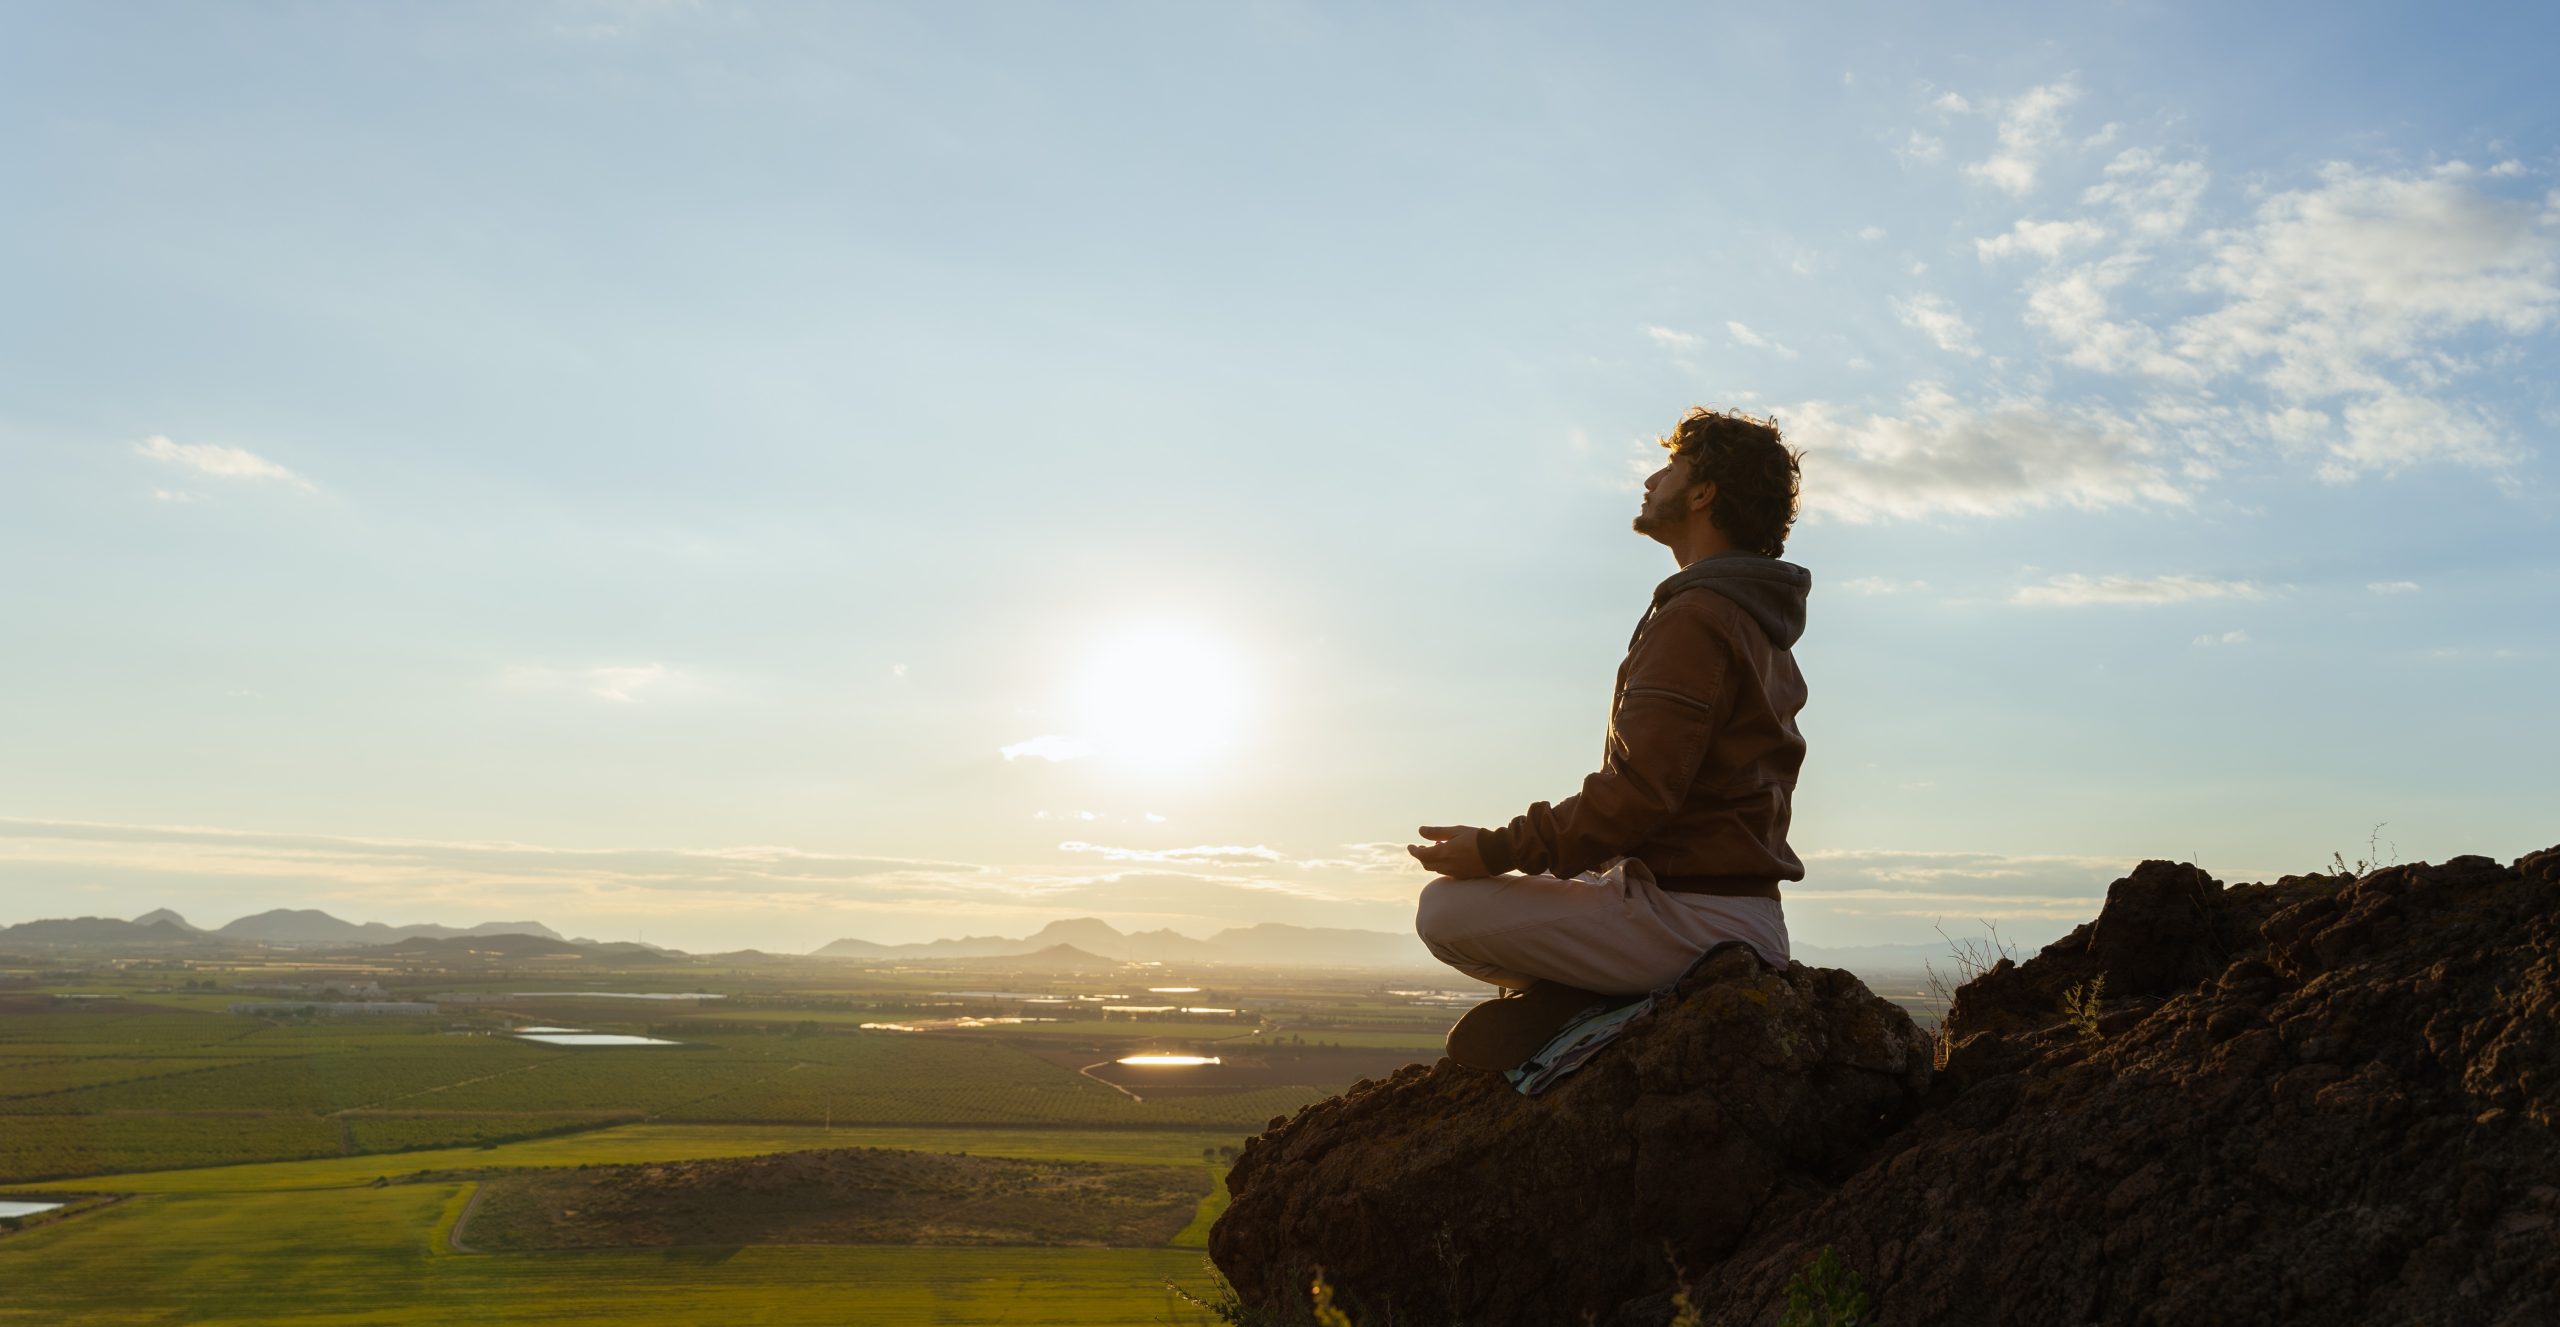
(2325, 1099)
(1441, 1195)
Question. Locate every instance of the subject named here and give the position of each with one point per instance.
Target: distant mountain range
(1077, 942)
(1270, 944)
(282, 926)
(92, 931)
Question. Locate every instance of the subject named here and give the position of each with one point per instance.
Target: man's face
(1666, 501)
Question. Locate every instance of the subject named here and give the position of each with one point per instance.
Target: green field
(371, 1256)
(221, 1240)
(309, 1170)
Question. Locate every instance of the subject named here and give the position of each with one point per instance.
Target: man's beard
(1651, 523)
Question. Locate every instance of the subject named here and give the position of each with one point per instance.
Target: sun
(1163, 698)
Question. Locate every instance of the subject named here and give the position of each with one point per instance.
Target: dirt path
(447, 1087)
(453, 1238)
(1088, 1071)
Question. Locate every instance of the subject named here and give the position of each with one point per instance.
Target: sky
(751, 474)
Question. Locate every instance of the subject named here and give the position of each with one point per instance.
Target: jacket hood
(1770, 590)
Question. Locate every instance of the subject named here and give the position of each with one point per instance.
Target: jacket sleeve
(1658, 738)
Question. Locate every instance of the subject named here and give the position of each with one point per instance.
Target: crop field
(364, 1255)
(296, 1168)
(34, 1147)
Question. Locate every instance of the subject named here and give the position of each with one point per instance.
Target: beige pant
(1611, 930)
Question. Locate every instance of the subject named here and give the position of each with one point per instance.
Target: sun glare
(1165, 699)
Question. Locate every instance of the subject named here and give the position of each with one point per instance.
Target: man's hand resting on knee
(1451, 852)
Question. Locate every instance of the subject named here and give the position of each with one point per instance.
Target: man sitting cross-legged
(1679, 841)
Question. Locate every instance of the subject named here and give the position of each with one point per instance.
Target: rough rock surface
(2321, 1100)
(1441, 1195)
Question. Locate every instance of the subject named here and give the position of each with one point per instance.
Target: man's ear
(1702, 497)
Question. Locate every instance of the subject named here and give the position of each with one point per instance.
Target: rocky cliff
(2324, 1099)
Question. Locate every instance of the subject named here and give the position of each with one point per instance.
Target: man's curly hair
(1754, 473)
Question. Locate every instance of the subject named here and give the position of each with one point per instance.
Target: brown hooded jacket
(1698, 773)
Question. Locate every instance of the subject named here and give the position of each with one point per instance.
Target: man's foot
(1500, 1033)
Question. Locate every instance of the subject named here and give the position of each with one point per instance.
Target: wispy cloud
(2153, 195)
(2392, 587)
(2045, 239)
(2074, 590)
(2330, 324)
(2330, 286)
(1875, 585)
(1934, 317)
(2226, 638)
(1939, 455)
(1198, 855)
(777, 892)
(1743, 335)
(1900, 892)
(2030, 125)
(220, 462)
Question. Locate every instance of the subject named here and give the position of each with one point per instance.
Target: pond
(1169, 1059)
(10, 1209)
(1173, 990)
(593, 1039)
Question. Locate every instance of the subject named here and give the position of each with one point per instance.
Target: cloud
(220, 462)
(2392, 587)
(1921, 147)
(1944, 456)
(1199, 855)
(2330, 288)
(386, 867)
(2226, 638)
(2155, 197)
(1938, 320)
(2075, 307)
(2045, 239)
(1051, 747)
(175, 495)
(776, 893)
(1871, 233)
(1866, 895)
(2395, 430)
(2030, 124)
(1675, 338)
(624, 684)
(2332, 323)
(1744, 336)
(1875, 585)
(2073, 590)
